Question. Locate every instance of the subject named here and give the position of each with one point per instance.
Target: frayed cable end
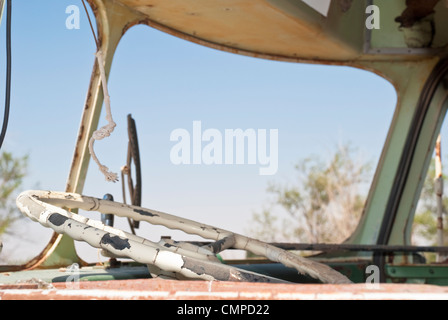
(110, 176)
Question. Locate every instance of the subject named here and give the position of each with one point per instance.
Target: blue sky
(167, 83)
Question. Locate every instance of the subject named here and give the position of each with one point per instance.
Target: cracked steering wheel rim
(170, 259)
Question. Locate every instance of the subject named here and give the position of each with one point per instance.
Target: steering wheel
(166, 258)
(133, 156)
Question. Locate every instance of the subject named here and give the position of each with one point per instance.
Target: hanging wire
(91, 25)
(8, 73)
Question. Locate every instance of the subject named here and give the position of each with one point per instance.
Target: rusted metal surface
(418, 24)
(416, 10)
(345, 5)
(164, 259)
(112, 21)
(156, 289)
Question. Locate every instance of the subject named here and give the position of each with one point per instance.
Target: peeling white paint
(46, 207)
(169, 261)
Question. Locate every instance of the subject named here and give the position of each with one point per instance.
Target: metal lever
(107, 218)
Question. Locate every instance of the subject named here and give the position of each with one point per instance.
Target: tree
(326, 201)
(12, 172)
(323, 207)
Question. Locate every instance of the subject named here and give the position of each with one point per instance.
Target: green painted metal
(388, 36)
(63, 255)
(409, 79)
(401, 232)
(425, 274)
